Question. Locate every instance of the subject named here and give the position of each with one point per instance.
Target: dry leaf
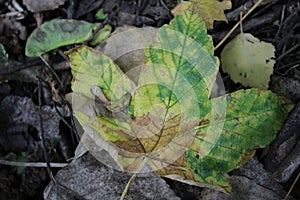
(209, 10)
(41, 5)
(248, 60)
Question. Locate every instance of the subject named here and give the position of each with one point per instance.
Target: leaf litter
(97, 107)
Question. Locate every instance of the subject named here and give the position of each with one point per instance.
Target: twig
(73, 123)
(237, 24)
(46, 156)
(292, 187)
(70, 126)
(11, 69)
(287, 52)
(268, 18)
(52, 71)
(31, 164)
(241, 22)
(234, 14)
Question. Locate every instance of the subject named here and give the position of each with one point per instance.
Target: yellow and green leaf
(168, 118)
(209, 10)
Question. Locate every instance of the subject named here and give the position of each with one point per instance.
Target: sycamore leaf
(209, 10)
(57, 33)
(92, 68)
(248, 60)
(252, 118)
(167, 120)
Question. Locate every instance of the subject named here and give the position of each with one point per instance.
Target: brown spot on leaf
(246, 157)
(40, 36)
(69, 26)
(204, 122)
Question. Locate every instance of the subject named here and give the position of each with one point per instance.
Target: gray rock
(87, 178)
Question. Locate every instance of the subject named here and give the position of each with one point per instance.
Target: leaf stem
(133, 177)
(237, 24)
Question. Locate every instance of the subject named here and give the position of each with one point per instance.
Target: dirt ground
(29, 93)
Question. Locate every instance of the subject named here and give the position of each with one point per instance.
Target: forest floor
(28, 92)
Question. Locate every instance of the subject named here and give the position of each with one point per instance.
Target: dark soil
(276, 21)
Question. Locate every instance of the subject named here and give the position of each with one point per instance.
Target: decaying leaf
(247, 126)
(40, 5)
(126, 47)
(56, 33)
(209, 10)
(248, 60)
(18, 113)
(166, 119)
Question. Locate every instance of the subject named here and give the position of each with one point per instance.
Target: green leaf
(248, 60)
(168, 118)
(101, 35)
(92, 68)
(100, 15)
(57, 33)
(252, 118)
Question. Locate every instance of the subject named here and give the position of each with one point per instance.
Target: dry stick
(292, 187)
(237, 24)
(74, 129)
(70, 126)
(46, 156)
(287, 52)
(52, 71)
(69, 106)
(241, 22)
(31, 164)
(60, 86)
(15, 68)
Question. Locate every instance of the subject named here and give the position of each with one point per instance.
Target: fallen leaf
(40, 5)
(209, 10)
(23, 113)
(56, 33)
(248, 60)
(101, 35)
(100, 15)
(126, 47)
(167, 120)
